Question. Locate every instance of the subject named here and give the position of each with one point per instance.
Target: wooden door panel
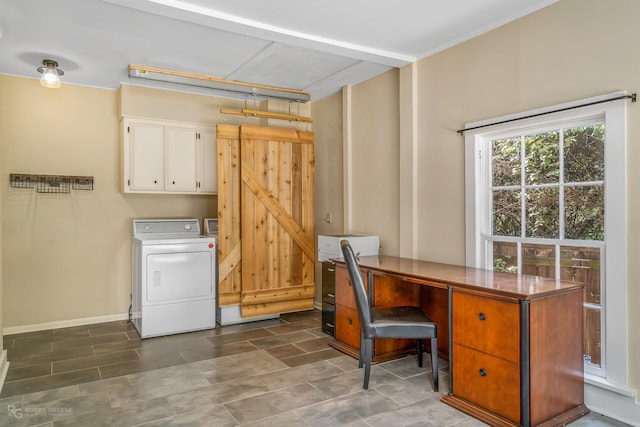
(278, 242)
(229, 245)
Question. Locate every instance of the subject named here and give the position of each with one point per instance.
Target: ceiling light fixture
(217, 83)
(50, 74)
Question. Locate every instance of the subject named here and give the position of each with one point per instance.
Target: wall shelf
(58, 184)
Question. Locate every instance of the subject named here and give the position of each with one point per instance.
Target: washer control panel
(187, 227)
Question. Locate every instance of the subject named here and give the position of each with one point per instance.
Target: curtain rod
(632, 97)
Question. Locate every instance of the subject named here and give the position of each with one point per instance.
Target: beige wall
(374, 165)
(328, 197)
(571, 50)
(68, 257)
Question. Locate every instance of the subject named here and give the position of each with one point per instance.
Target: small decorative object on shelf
(82, 182)
(21, 181)
(59, 184)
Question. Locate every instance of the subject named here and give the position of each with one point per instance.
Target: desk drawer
(347, 326)
(344, 290)
(487, 381)
(329, 318)
(489, 325)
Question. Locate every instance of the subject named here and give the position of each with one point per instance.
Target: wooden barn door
(229, 245)
(278, 242)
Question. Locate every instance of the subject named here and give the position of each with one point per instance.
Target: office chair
(388, 322)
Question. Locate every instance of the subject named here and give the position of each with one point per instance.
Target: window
(546, 196)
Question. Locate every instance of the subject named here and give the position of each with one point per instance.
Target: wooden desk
(514, 342)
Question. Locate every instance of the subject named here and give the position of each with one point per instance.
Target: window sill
(603, 383)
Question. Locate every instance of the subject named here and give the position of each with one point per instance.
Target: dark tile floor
(270, 373)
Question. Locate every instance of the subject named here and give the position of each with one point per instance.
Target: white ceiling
(317, 46)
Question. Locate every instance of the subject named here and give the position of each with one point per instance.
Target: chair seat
(401, 322)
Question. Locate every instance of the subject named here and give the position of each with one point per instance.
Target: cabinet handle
(483, 372)
(331, 269)
(482, 316)
(331, 325)
(350, 321)
(331, 295)
(174, 183)
(349, 282)
(155, 181)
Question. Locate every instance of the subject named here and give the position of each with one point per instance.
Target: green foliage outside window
(560, 173)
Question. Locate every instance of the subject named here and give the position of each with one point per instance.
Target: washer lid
(160, 227)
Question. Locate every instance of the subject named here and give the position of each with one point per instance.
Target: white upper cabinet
(180, 159)
(168, 157)
(146, 158)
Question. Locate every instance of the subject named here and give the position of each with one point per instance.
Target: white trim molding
(617, 404)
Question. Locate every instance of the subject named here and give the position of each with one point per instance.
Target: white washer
(174, 276)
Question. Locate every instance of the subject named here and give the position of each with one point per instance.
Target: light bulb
(50, 74)
(50, 78)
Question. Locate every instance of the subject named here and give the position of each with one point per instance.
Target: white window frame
(614, 338)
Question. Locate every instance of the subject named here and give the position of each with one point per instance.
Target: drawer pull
(331, 269)
(482, 316)
(331, 325)
(331, 295)
(483, 372)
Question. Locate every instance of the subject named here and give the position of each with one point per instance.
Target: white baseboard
(621, 407)
(63, 324)
(4, 368)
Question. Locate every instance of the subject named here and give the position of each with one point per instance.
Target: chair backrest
(362, 299)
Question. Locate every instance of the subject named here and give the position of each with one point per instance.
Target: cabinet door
(181, 157)
(208, 171)
(146, 156)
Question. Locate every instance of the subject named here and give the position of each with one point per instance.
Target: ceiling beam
(212, 18)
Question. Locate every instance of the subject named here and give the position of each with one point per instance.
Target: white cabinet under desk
(160, 156)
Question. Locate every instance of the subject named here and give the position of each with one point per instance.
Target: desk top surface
(514, 285)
